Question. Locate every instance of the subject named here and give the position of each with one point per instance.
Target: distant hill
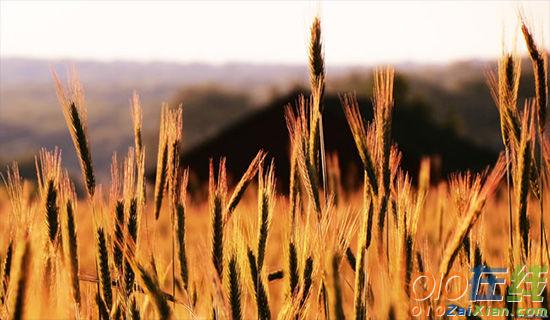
(414, 130)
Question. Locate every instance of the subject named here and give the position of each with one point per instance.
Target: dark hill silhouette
(413, 130)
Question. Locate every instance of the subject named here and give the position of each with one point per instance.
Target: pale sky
(264, 32)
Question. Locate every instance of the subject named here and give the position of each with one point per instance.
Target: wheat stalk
(217, 193)
(119, 235)
(234, 288)
(521, 182)
(246, 178)
(167, 158)
(74, 110)
(6, 272)
(18, 309)
(478, 193)
(316, 56)
(103, 269)
(48, 168)
(360, 308)
(137, 121)
(262, 301)
(539, 59)
(338, 300)
(266, 195)
(300, 131)
(149, 281)
(294, 183)
(293, 277)
(317, 82)
(101, 307)
(505, 92)
(180, 209)
(334, 178)
(383, 108)
(307, 280)
(133, 311)
(361, 136)
(72, 250)
(130, 240)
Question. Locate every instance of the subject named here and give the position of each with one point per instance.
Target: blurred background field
(453, 98)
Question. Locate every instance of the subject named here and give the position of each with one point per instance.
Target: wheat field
(140, 249)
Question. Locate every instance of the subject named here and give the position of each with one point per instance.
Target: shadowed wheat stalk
(18, 309)
(149, 282)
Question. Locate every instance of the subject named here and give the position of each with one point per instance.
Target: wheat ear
(522, 173)
(317, 82)
(539, 59)
(74, 110)
(247, 177)
(72, 251)
(383, 109)
(162, 160)
(48, 168)
(130, 241)
(180, 213)
(478, 193)
(360, 136)
(217, 193)
(234, 288)
(262, 301)
(266, 190)
(294, 276)
(103, 269)
(6, 272)
(119, 236)
(150, 283)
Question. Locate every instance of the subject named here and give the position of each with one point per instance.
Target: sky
(265, 32)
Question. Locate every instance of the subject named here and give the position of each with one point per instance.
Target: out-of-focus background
(235, 65)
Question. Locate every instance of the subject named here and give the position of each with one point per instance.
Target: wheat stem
(18, 310)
